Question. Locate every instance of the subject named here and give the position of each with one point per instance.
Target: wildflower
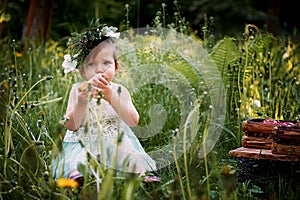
(285, 55)
(60, 54)
(5, 84)
(17, 54)
(69, 64)
(67, 183)
(256, 103)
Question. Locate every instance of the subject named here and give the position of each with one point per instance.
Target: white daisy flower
(69, 65)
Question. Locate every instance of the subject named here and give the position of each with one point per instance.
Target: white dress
(106, 138)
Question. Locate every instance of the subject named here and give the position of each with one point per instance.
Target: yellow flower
(67, 182)
(60, 54)
(17, 54)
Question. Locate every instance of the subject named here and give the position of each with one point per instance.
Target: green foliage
(34, 93)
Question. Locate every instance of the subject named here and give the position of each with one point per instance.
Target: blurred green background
(57, 18)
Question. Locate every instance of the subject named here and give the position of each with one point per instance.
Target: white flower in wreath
(110, 32)
(69, 65)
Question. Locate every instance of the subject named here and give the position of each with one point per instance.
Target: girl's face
(101, 61)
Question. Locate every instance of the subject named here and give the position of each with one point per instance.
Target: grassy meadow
(190, 115)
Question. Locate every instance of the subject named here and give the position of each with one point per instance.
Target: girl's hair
(102, 44)
(108, 41)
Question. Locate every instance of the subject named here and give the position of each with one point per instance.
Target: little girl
(100, 113)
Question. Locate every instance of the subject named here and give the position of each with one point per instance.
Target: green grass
(34, 93)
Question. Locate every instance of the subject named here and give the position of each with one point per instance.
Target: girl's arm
(123, 106)
(76, 108)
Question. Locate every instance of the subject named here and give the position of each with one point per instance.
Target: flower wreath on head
(81, 44)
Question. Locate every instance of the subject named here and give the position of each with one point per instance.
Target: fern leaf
(225, 53)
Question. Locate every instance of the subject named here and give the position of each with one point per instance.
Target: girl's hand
(83, 96)
(100, 84)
